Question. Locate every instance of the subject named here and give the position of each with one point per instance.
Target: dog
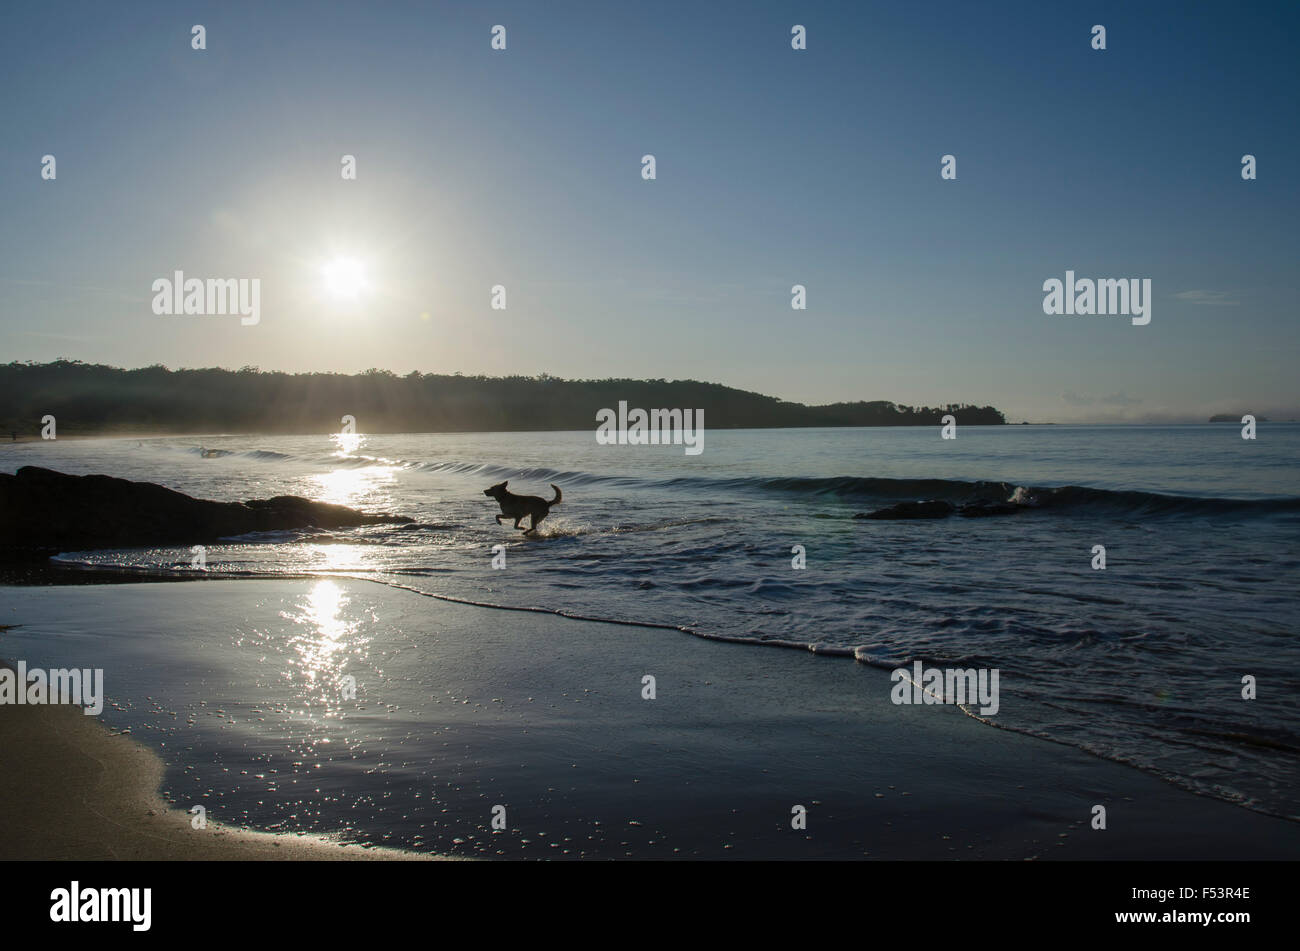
(519, 507)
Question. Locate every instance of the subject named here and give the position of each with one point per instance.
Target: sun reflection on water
(336, 557)
(353, 487)
(348, 443)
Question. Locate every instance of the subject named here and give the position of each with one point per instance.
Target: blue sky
(775, 167)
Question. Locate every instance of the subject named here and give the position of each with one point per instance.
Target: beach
(1122, 597)
(71, 789)
(461, 709)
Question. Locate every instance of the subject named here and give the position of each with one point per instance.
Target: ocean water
(1141, 662)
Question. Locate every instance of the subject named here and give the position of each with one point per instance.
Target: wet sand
(71, 789)
(546, 713)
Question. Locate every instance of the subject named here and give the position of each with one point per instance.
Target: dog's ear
(506, 483)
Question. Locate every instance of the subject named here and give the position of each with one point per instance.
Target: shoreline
(710, 768)
(51, 574)
(144, 434)
(71, 789)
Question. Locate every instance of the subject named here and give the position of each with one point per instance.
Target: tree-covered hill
(91, 398)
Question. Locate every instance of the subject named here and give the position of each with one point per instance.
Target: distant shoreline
(92, 398)
(167, 434)
(230, 434)
(261, 433)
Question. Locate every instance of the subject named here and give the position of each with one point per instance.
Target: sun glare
(345, 278)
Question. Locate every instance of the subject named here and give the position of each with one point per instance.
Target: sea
(1174, 650)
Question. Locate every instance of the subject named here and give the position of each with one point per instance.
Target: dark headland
(92, 399)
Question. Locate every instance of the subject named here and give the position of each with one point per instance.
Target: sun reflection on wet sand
(327, 636)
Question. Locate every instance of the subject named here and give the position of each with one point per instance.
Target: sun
(345, 278)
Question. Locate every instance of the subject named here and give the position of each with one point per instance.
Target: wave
(262, 455)
(1073, 498)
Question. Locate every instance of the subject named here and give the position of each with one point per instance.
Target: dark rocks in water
(44, 509)
(933, 508)
(983, 508)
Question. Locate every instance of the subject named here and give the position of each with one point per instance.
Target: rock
(934, 508)
(44, 509)
(985, 507)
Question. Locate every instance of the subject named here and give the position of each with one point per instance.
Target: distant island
(1230, 418)
(93, 399)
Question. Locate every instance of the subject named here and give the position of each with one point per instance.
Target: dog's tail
(559, 496)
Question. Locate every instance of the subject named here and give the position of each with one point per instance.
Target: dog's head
(496, 491)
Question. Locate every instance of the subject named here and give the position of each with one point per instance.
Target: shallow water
(1141, 662)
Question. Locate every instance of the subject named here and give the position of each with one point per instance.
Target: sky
(522, 168)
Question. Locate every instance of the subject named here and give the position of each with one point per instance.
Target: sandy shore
(470, 706)
(71, 789)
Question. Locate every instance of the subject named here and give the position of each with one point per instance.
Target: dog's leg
(498, 519)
